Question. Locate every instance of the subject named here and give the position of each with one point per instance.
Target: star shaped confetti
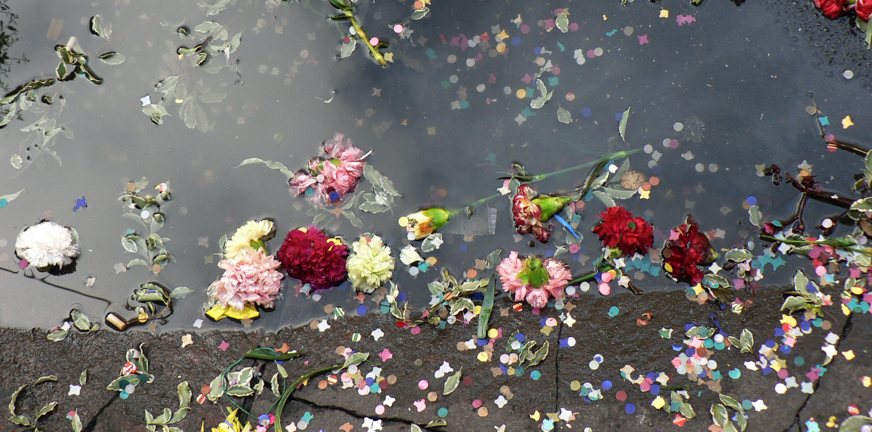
(80, 203)
(520, 119)
(224, 345)
(759, 405)
(376, 92)
(347, 427)
(386, 355)
(569, 321)
(377, 334)
(389, 401)
(74, 390)
(187, 340)
(323, 326)
(807, 387)
(501, 401)
(846, 122)
(372, 425)
(643, 39)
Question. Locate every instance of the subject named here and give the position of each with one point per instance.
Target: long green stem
(827, 242)
(362, 36)
(287, 394)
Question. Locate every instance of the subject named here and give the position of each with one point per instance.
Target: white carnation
(46, 244)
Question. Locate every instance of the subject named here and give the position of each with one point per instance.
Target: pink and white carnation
(533, 279)
(250, 278)
(332, 176)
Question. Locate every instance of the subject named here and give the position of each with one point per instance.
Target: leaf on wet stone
(14, 399)
(98, 29)
(274, 385)
(562, 22)
(10, 114)
(355, 359)
(111, 58)
(755, 215)
(355, 221)
(416, 428)
(20, 420)
(622, 125)
(451, 383)
(419, 13)
(135, 262)
(793, 303)
(540, 355)
(76, 422)
(686, 410)
(11, 197)
(44, 379)
(729, 427)
(738, 255)
(45, 410)
(80, 320)
(269, 164)
(747, 340)
(347, 48)
(58, 334)
(83, 377)
(208, 27)
(563, 115)
(602, 196)
(216, 388)
(719, 414)
(180, 292)
(214, 7)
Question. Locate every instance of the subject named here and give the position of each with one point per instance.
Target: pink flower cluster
(251, 278)
(558, 276)
(331, 176)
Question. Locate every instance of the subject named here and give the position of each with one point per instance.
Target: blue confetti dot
(464, 104)
(655, 389)
(537, 50)
(747, 404)
(361, 310)
(586, 112)
(263, 417)
(124, 394)
(751, 200)
(630, 408)
(401, 297)
(607, 385)
(3, 202)
(431, 53)
(618, 116)
(784, 349)
(516, 40)
(535, 375)
(520, 337)
(443, 412)
(769, 343)
(334, 196)
(309, 191)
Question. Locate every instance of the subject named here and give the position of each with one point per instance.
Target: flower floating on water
(619, 229)
(370, 265)
(251, 279)
(309, 255)
(533, 279)
(832, 9)
(863, 9)
(530, 211)
(333, 175)
(47, 244)
(248, 238)
(425, 222)
(686, 249)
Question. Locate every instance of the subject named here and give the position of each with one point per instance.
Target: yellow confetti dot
(849, 355)
(493, 333)
(535, 416)
(605, 18)
(482, 412)
(831, 423)
(575, 385)
(857, 290)
(667, 267)
(482, 356)
(867, 381)
(521, 93)
(845, 310)
(501, 47)
(404, 221)
(431, 260)
(664, 13)
(846, 122)
(659, 402)
(477, 310)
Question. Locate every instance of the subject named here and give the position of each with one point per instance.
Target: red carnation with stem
(833, 9)
(686, 249)
(309, 255)
(621, 230)
(863, 9)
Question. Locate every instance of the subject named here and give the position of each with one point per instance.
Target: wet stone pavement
(489, 397)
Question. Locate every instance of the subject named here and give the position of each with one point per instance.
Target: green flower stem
(362, 36)
(827, 242)
(540, 177)
(287, 394)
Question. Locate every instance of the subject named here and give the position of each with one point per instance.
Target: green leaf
(460, 304)
(239, 391)
(20, 420)
(854, 423)
(719, 414)
(416, 428)
(347, 48)
(208, 27)
(619, 193)
(451, 383)
(738, 255)
(420, 13)
(355, 359)
(800, 283)
(111, 58)
(98, 29)
(274, 385)
(729, 427)
(185, 394)
(180, 292)
(487, 306)
(270, 164)
(755, 215)
(430, 243)
(116, 383)
(493, 259)
(563, 115)
(80, 320)
(747, 341)
(83, 377)
(686, 410)
(76, 422)
(793, 302)
(540, 355)
(14, 399)
(602, 196)
(622, 125)
(45, 410)
(216, 388)
(562, 22)
(46, 378)
(282, 371)
(730, 402)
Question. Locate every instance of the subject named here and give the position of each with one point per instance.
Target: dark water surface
(732, 87)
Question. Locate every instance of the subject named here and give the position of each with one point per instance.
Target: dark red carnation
(619, 229)
(309, 255)
(833, 9)
(863, 9)
(686, 249)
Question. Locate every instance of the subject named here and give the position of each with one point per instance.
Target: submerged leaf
(347, 48)
(622, 125)
(111, 58)
(563, 115)
(97, 27)
(270, 164)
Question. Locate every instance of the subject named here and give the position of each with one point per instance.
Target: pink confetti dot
(380, 409)
(673, 144)
(570, 96)
(591, 54)
(476, 403)
(423, 384)
(525, 28)
(783, 374)
(605, 289)
(573, 248)
(373, 41)
(558, 11)
(607, 277)
(555, 70)
(397, 29)
(416, 330)
(820, 270)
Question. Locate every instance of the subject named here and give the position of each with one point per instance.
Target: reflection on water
(710, 98)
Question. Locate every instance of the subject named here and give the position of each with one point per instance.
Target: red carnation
(309, 255)
(863, 9)
(833, 9)
(619, 229)
(685, 250)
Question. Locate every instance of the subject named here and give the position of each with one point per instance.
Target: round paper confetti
(614, 311)
(379, 409)
(621, 395)
(423, 384)
(630, 408)
(678, 126)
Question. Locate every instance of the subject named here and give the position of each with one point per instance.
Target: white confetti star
(377, 334)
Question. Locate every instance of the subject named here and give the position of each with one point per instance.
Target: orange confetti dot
(654, 181)
(521, 93)
(442, 192)
(322, 384)
(471, 273)
(646, 186)
(501, 47)
(419, 4)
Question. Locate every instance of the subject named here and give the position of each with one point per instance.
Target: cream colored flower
(47, 244)
(240, 243)
(370, 264)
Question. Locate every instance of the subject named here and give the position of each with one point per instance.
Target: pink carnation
(331, 177)
(511, 271)
(253, 278)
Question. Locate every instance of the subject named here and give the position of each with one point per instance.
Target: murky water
(711, 97)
